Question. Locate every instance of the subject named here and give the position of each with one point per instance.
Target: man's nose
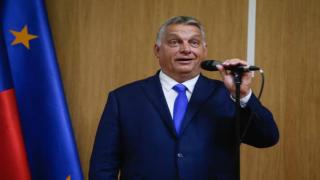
(185, 48)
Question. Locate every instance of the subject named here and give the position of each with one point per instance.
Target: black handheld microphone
(211, 65)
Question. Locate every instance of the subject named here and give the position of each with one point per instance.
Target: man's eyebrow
(197, 36)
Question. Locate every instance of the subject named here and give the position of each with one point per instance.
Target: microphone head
(210, 65)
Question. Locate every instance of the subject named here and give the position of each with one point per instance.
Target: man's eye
(173, 42)
(195, 43)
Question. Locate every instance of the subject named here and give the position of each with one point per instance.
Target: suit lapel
(203, 89)
(153, 91)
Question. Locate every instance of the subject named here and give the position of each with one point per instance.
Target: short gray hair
(185, 20)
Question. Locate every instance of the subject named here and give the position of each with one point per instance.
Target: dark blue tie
(180, 106)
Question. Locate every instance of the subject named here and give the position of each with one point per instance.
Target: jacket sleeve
(105, 157)
(258, 127)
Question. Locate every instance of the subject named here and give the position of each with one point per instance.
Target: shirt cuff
(244, 100)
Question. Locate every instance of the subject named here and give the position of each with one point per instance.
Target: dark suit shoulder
(133, 86)
(211, 82)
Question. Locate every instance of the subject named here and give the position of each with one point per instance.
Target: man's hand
(227, 77)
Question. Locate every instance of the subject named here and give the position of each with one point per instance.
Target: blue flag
(47, 131)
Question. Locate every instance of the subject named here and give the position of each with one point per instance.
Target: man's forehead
(182, 29)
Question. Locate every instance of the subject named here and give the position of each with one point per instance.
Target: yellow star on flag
(23, 37)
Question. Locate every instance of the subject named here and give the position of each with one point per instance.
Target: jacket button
(180, 155)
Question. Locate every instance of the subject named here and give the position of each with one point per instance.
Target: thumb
(222, 71)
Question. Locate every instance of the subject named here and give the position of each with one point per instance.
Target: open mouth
(184, 59)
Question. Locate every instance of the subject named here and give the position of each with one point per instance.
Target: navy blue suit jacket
(136, 134)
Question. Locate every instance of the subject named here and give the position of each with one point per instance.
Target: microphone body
(211, 65)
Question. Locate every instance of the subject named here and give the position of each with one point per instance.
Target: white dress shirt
(170, 95)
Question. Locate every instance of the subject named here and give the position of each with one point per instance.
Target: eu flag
(44, 117)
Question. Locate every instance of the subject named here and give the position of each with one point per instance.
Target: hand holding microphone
(227, 68)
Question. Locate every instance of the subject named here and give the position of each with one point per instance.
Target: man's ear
(205, 50)
(156, 50)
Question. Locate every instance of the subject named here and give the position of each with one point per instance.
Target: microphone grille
(210, 65)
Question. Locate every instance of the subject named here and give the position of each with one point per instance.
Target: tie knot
(179, 88)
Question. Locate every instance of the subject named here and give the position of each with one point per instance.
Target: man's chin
(188, 72)
(184, 70)
(187, 69)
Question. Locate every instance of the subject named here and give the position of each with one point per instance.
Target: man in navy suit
(178, 124)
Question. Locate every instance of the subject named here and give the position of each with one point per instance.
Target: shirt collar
(168, 83)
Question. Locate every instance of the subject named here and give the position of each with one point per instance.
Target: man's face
(181, 51)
